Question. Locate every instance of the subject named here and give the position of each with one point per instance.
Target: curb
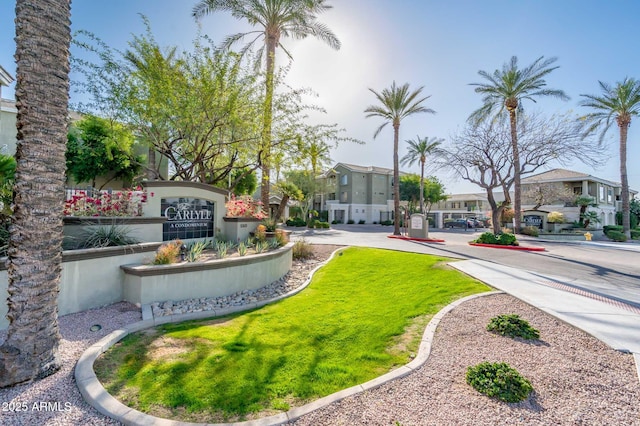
(422, 240)
(498, 246)
(97, 396)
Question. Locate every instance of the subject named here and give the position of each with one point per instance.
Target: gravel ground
(577, 379)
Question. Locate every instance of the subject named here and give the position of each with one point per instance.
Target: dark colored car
(459, 223)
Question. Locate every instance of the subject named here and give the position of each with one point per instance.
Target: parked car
(476, 223)
(459, 223)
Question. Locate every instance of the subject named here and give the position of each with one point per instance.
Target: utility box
(418, 226)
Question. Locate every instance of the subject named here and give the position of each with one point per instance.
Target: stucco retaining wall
(90, 278)
(221, 277)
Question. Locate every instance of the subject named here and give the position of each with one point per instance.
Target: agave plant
(242, 248)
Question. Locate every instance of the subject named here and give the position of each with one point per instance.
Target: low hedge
(617, 236)
(502, 239)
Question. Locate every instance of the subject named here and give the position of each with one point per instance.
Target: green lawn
(363, 315)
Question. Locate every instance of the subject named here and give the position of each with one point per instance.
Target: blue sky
(436, 44)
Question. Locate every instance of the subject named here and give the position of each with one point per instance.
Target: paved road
(612, 270)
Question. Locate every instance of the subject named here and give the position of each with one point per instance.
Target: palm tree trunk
(396, 181)
(421, 187)
(267, 121)
(35, 247)
(626, 208)
(517, 202)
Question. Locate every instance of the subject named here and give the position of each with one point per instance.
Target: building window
(610, 195)
(343, 197)
(601, 193)
(344, 179)
(332, 196)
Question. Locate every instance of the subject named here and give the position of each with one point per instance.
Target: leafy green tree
(199, 109)
(97, 147)
(275, 18)
(433, 191)
(617, 103)
(410, 191)
(34, 263)
(243, 182)
(418, 151)
(504, 90)
(395, 104)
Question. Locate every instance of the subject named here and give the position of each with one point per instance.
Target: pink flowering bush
(244, 206)
(127, 202)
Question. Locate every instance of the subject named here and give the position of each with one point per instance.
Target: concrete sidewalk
(614, 322)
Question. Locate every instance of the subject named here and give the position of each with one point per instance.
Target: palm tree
(276, 18)
(43, 36)
(396, 103)
(418, 151)
(506, 89)
(620, 102)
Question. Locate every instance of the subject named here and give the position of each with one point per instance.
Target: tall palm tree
(276, 18)
(505, 90)
(43, 36)
(418, 151)
(620, 102)
(395, 104)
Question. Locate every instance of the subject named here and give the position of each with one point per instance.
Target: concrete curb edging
(97, 396)
(505, 247)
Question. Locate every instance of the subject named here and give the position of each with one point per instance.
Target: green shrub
(499, 380)
(635, 234)
(633, 220)
(487, 238)
(507, 240)
(513, 326)
(313, 223)
(532, 231)
(617, 236)
(335, 222)
(296, 221)
(608, 228)
(302, 250)
(361, 222)
(386, 222)
(350, 222)
(105, 236)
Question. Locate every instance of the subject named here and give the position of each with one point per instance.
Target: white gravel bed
(577, 379)
(55, 400)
